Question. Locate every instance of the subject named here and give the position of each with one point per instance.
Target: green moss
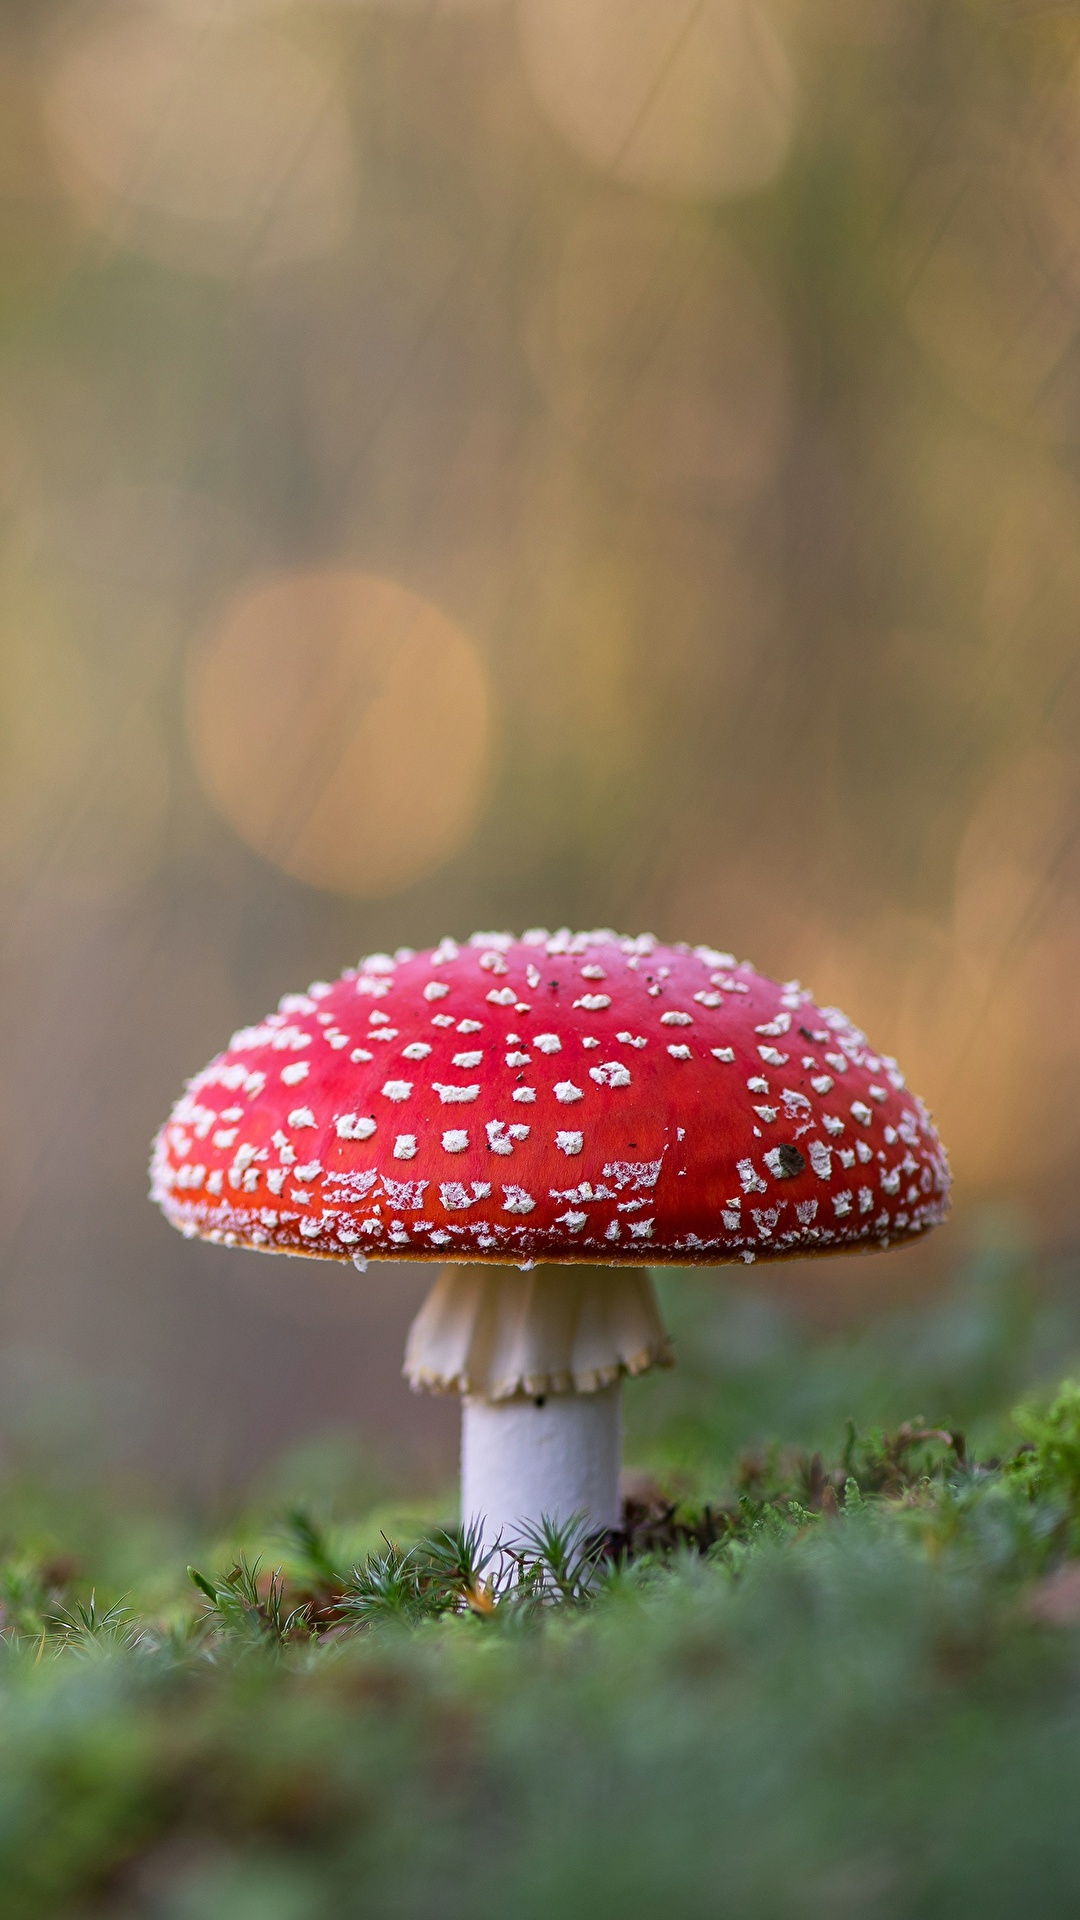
(834, 1679)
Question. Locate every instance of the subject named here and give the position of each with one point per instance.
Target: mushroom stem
(552, 1457)
(538, 1358)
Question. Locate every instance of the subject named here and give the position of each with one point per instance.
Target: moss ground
(831, 1668)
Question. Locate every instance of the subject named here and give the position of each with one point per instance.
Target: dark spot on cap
(790, 1161)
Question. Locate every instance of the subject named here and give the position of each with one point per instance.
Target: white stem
(523, 1460)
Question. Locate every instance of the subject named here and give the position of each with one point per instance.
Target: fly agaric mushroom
(544, 1116)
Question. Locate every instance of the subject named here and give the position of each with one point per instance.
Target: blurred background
(605, 462)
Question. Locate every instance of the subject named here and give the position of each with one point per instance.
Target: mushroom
(544, 1117)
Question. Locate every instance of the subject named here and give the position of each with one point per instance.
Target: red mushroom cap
(576, 1098)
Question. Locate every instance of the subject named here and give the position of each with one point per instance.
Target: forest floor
(805, 1680)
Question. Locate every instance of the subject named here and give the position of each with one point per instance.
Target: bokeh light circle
(342, 725)
(430, 9)
(224, 150)
(655, 345)
(693, 96)
(988, 243)
(220, 12)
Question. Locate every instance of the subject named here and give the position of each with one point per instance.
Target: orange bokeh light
(697, 99)
(342, 725)
(657, 347)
